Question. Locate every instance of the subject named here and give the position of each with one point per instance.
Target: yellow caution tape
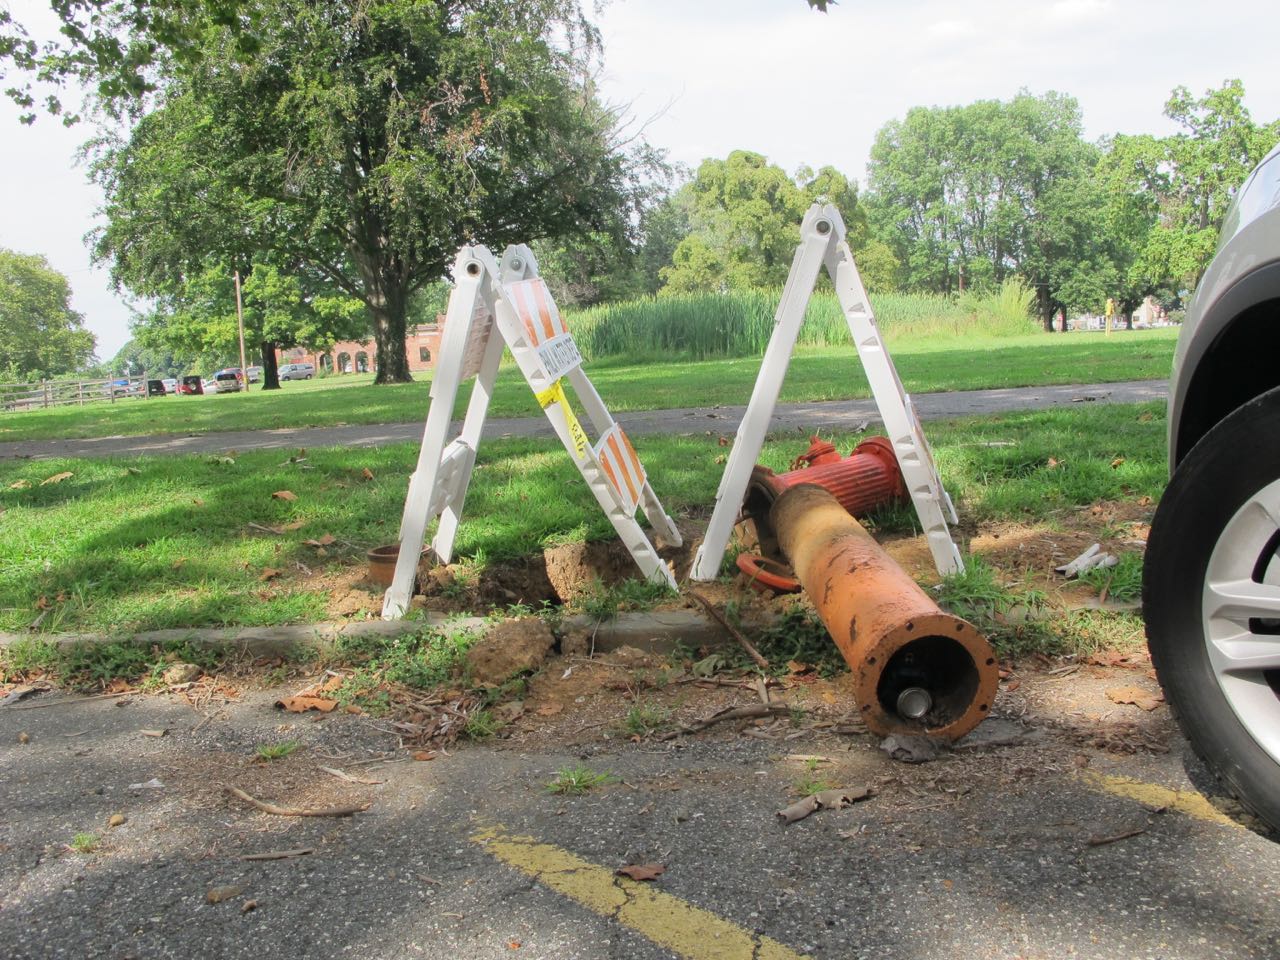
(555, 394)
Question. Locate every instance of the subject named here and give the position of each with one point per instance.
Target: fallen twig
(72, 700)
(279, 854)
(746, 644)
(296, 811)
(1103, 841)
(734, 713)
(348, 777)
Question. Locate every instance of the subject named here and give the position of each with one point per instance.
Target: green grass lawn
(131, 544)
(926, 366)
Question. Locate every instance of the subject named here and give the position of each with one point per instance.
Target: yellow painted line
(668, 921)
(1189, 802)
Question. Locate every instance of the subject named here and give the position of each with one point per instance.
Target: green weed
(811, 783)
(605, 602)
(579, 779)
(84, 843)
(644, 719)
(1123, 582)
(93, 665)
(266, 752)
(482, 725)
(800, 635)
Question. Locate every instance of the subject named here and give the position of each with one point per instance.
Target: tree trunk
(1128, 320)
(1064, 319)
(1045, 306)
(388, 334)
(270, 370)
(386, 297)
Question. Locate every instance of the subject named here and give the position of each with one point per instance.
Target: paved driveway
(1067, 830)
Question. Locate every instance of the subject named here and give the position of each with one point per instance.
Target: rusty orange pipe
(917, 670)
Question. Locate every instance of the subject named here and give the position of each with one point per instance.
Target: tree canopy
(744, 218)
(366, 142)
(40, 335)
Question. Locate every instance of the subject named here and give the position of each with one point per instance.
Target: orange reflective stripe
(626, 474)
(635, 460)
(544, 311)
(608, 469)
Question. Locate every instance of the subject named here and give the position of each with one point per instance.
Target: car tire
(1211, 601)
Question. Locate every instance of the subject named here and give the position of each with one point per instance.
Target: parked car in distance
(191, 385)
(1211, 577)
(226, 381)
(235, 371)
(170, 384)
(297, 371)
(255, 374)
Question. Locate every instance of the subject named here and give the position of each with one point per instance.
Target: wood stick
(279, 854)
(746, 644)
(71, 700)
(332, 771)
(734, 713)
(1102, 841)
(296, 811)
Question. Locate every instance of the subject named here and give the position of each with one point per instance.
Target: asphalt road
(1029, 844)
(788, 416)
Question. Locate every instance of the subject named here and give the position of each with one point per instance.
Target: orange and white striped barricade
(493, 306)
(823, 244)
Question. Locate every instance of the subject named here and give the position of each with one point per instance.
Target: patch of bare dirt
(510, 648)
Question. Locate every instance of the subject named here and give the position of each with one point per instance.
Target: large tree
(40, 335)
(744, 215)
(979, 193)
(366, 142)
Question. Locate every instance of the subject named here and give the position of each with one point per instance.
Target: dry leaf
(302, 703)
(424, 755)
(248, 905)
(117, 820)
(197, 501)
(549, 709)
(642, 871)
(798, 666)
(20, 485)
(1052, 462)
(57, 477)
(42, 603)
(1117, 462)
(270, 573)
(823, 800)
(1136, 696)
(284, 495)
(132, 470)
(293, 525)
(177, 564)
(323, 541)
(154, 733)
(219, 894)
(367, 473)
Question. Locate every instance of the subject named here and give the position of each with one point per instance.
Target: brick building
(422, 345)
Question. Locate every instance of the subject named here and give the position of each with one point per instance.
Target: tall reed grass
(740, 322)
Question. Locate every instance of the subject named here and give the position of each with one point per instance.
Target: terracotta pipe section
(917, 670)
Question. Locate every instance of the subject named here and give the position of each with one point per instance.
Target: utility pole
(244, 370)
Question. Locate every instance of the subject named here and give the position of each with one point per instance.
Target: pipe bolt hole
(990, 661)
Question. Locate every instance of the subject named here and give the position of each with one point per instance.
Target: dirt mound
(512, 647)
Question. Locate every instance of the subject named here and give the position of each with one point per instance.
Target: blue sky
(710, 76)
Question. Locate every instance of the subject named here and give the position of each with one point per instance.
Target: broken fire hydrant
(916, 668)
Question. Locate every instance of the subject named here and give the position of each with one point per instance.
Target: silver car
(1211, 588)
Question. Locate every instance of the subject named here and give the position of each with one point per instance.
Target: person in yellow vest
(1111, 312)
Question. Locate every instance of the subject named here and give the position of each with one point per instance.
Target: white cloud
(1075, 10)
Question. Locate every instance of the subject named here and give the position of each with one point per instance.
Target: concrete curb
(653, 631)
